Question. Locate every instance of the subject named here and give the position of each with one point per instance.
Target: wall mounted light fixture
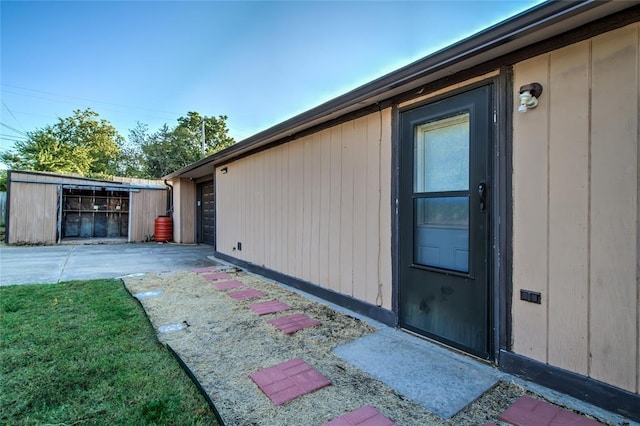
(529, 94)
(223, 170)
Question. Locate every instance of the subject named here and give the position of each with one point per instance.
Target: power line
(76, 104)
(14, 137)
(85, 99)
(48, 116)
(14, 117)
(2, 138)
(20, 132)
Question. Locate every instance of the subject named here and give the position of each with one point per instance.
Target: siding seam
(339, 266)
(638, 212)
(589, 145)
(379, 295)
(366, 198)
(354, 158)
(548, 230)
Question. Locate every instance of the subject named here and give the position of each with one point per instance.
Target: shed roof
(520, 31)
(115, 184)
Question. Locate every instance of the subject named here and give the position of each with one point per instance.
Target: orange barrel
(163, 229)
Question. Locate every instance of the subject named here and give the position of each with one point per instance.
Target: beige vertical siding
(33, 214)
(184, 207)
(575, 224)
(568, 208)
(614, 195)
(530, 236)
(146, 206)
(316, 208)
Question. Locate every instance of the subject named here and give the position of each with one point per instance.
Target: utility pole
(203, 138)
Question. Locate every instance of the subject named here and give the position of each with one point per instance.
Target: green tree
(3, 183)
(170, 149)
(131, 161)
(81, 144)
(215, 129)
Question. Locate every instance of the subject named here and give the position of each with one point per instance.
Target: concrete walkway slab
(441, 381)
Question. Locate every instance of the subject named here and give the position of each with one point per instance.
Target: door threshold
(449, 347)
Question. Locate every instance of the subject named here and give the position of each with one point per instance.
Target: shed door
(444, 211)
(93, 213)
(206, 213)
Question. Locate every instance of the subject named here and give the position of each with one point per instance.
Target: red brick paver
(527, 411)
(263, 308)
(251, 293)
(289, 380)
(292, 323)
(218, 276)
(363, 416)
(226, 285)
(207, 269)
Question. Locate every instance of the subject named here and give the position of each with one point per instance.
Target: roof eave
(536, 24)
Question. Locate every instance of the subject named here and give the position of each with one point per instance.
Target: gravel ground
(225, 341)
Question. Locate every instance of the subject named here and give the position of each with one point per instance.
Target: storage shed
(47, 208)
(485, 197)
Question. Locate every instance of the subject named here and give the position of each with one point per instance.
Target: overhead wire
(80, 99)
(14, 117)
(2, 138)
(73, 100)
(20, 132)
(76, 103)
(13, 136)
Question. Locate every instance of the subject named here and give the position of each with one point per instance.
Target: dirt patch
(224, 342)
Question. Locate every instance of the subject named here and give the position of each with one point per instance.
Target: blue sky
(257, 62)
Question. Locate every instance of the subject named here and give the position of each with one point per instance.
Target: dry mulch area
(225, 341)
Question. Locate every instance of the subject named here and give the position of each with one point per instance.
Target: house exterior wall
(575, 209)
(317, 208)
(184, 211)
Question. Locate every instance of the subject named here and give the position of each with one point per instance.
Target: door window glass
(441, 158)
(441, 232)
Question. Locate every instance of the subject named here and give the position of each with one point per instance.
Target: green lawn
(83, 352)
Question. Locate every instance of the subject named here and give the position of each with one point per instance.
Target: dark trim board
(372, 311)
(393, 205)
(585, 388)
(503, 233)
